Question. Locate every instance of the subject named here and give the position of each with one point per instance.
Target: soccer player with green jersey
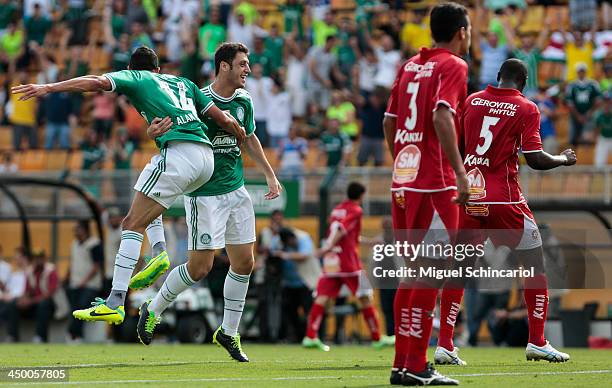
(225, 197)
(185, 162)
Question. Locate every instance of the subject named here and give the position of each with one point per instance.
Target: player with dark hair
(219, 213)
(341, 265)
(185, 161)
(497, 122)
(428, 182)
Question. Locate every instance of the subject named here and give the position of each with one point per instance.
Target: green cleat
(231, 344)
(146, 324)
(314, 343)
(378, 345)
(155, 268)
(100, 312)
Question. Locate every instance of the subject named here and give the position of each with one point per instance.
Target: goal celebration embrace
(306, 192)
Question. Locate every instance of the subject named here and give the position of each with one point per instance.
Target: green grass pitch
(180, 366)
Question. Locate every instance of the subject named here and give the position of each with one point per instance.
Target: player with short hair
(185, 161)
(429, 180)
(497, 122)
(220, 213)
(341, 265)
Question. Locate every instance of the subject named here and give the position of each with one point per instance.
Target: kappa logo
(205, 238)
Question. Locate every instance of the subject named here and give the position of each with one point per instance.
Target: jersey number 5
(413, 90)
(486, 133)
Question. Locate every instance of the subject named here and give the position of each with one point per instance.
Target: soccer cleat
(378, 345)
(314, 343)
(396, 376)
(546, 352)
(231, 344)
(155, 268)
(444, 357)
(146, 324)
(99, 311)
(429, 376)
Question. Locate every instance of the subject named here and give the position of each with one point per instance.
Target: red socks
(401, 316)
(422, 305)
(450, 303)
(314, 320)
(536, 299)
(369, 314)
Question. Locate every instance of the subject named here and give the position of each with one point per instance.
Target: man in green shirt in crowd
(211, 35)
(220, 213)
(603, 132)
(185, 162)
(581, 97)
(335, 145)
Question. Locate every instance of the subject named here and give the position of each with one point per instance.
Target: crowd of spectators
(314, 68)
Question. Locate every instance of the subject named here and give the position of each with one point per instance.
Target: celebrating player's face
(240, 69)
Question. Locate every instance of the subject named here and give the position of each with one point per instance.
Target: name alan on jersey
(184, 119)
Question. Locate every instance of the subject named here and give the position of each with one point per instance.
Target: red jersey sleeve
(351, 221)
(530, 138)
(393, 97)
(452, 88)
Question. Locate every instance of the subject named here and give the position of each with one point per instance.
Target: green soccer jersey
(228, 175)
(160, 95)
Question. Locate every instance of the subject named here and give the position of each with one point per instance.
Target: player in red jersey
(497, 122)
(429, 180)
(341, 265)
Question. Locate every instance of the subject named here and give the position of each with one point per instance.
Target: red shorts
(330, 286)
(511, 225)
(416, 213)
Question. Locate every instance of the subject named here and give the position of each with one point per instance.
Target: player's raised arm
(541, 160)
(87, 83)
(227, 122)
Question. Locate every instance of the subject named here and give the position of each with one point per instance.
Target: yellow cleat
(155, 268)
(101, 312)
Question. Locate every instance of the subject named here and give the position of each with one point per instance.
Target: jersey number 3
(413, 90)
(485, 132)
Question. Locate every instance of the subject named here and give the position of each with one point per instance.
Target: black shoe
(427, 377)
(231, 344)
(396, 376)
(146, 324)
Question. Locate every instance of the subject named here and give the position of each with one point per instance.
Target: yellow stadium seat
(57, 160)
(33, 160)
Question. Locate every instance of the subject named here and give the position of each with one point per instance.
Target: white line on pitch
(295, 378)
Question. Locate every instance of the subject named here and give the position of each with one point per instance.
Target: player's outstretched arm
(445, 129)
(544, 161)
(87, 83)
(253, 147)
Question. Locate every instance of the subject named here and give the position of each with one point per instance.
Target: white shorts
(180, 168)
(217, 220)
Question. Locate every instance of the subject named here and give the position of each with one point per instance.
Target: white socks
(177, 281)
(155, 235)
(125, 262)
(234, 294)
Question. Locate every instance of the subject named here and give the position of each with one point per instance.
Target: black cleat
(146, 324)
(396, 376)
(231, 344)
(427, 377)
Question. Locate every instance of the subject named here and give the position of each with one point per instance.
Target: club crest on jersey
(407, 163)
(473, 160)
(477, 184)
(240, 113)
